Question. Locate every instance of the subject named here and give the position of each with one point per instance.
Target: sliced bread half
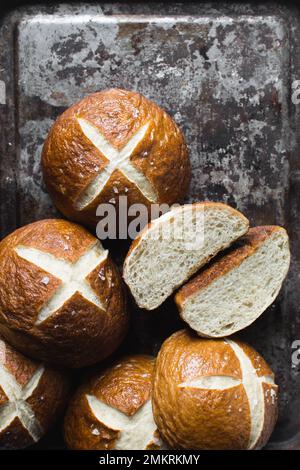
(174, 246)
(237, 288)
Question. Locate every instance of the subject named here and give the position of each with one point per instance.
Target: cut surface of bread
(236, 289)
(174, 246)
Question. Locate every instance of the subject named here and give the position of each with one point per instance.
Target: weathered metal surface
(225, 74)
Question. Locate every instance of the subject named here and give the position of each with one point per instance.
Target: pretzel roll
(213, 394)
(31, 398)
(61, 297)
(113, 409)
(113, 143)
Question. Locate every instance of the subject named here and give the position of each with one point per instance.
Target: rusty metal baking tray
(227, 73)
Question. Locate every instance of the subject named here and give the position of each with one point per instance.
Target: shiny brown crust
(77, 334)
(245, 247)
(194, 418)
(126, 386)
(47, 400)
(70, 162)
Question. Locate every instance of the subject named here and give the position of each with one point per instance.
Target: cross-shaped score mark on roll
(211, 382)
(136, 431)
(17, 406)
(117, 160)
(252, 383)
(72, 275)
(218, 382)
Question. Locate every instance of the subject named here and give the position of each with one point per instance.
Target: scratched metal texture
(225, 73)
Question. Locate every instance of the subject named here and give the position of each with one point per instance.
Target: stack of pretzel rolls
(64, 305)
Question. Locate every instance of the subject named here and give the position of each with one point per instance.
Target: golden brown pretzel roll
(113, 409)
(61, 297)
(31, 398)
(213, 394)
(112, 143)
